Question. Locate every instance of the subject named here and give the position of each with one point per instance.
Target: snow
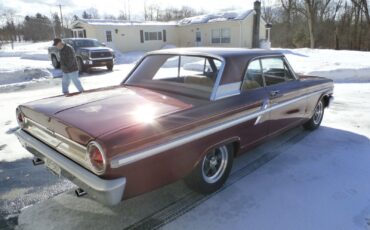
(29, 65)
(339, 65)
(215, 17)
(318, 182)
(112, 22)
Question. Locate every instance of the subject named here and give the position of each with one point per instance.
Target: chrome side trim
(264, 106)
(216, 85)
(202, 132)
(97, 59)
(109, 192)
(228, 90)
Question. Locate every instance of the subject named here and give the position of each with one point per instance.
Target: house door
(198, 38)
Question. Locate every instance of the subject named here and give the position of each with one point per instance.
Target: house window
(153, 36)
(108, 35)
(221, 35)
(216, 36)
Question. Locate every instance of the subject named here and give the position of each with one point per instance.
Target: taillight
(20, 117)
(96, 157)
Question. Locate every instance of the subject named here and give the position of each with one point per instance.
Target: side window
(253, 76)
(275, 71)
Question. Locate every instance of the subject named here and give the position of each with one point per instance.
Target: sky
(113, 7)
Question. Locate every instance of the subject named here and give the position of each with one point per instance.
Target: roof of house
(114, 22)
(231, 15)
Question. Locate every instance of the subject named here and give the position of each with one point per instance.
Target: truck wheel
(212, 171)
(54, 62)
(80, 64)
(110, 66)
(316, 119)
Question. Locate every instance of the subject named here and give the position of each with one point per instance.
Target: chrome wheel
(319, 111)
(214, 164)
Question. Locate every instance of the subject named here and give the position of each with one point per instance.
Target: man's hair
(56, 41)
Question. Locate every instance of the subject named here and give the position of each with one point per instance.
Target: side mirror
(103, 44)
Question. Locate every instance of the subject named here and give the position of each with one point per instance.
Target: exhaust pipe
(37, 161)
(80, 192)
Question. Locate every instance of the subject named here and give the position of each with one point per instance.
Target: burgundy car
(180, 114)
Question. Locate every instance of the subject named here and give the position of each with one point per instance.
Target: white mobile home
(227, 29)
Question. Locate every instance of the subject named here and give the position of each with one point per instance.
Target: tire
(212, 171)
(316, 118)
(80, 64)
(110, 66)
(54, 62)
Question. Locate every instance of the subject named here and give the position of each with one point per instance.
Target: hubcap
(319, 110)
(214, 164)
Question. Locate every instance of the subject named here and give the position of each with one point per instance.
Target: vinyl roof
(222, 52)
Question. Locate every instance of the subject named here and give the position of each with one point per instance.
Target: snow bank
(27, 50)
(129, 57)
(28, 74)
(168, 46)
(339, 65)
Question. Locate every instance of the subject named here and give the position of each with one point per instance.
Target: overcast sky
(113, 7)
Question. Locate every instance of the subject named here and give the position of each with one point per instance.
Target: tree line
(335, 24)
(35, 28)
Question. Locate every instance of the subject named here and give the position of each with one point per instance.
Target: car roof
(217, 51)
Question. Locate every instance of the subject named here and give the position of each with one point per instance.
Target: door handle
(275, 93)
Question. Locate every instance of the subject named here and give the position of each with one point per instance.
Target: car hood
(95, 48)
(102, 111)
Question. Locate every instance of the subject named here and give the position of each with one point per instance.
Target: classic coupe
(182, 113)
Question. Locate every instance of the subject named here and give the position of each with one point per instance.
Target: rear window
(87, 43)
(177, 73)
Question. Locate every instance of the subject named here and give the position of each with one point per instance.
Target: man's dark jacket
(68, 62)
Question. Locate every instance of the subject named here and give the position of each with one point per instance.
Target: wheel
(316, 119)
(212, 171)
(110, 66)
(54, 62)
(80, 64)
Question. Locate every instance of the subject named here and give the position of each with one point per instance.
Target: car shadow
(67, 211)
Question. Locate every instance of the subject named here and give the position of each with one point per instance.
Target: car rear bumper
(108, 192)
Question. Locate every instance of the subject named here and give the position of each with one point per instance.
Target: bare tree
(310, 7)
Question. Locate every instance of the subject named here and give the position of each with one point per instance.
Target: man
(68, 64)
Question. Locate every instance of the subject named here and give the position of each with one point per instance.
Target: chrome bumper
(330, 102)
(109, 192)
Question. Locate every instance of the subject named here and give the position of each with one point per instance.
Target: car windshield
(185, 74)
(87, 43)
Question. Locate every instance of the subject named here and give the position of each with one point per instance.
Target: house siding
(126, 38)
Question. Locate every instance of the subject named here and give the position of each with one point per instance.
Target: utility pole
(61, 18)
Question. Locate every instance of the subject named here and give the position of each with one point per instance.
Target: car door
(283, 88)
(253, 92)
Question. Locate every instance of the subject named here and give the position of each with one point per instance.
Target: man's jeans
(67, 77)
